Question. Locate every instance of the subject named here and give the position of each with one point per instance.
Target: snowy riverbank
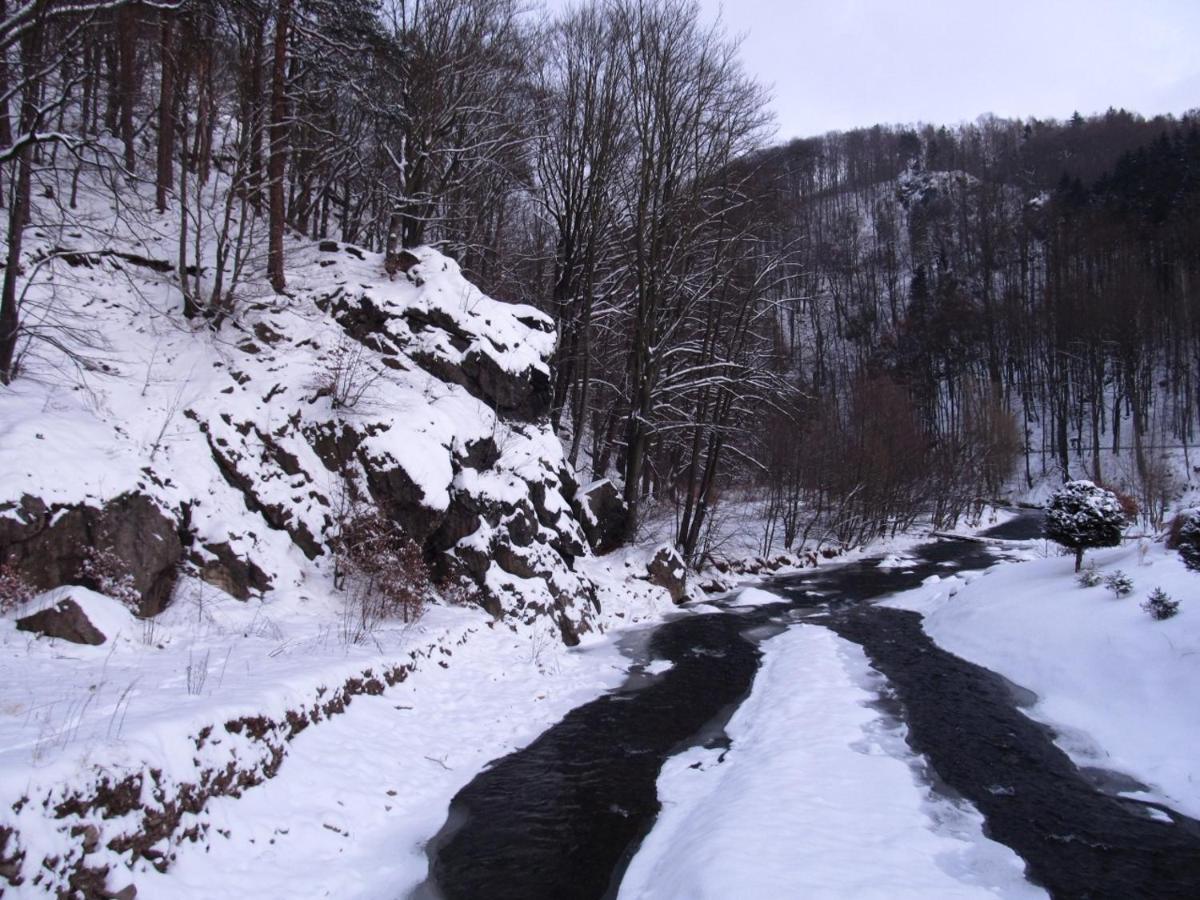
(1116, 685)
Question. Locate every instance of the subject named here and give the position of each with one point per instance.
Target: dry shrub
(382, 572)
(14, 589)
(460, 592)
(1129, 505)
(104, 572)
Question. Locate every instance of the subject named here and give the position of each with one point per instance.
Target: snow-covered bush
(1082, 515)
(14, 589)
(382, 572)
(1119, 583)
(1090, 576)
(1160, 605)
(104, 572)
(1185, 538)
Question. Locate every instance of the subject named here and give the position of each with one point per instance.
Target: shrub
(1119, 583)
(1160, 605)
(1185, 538)
(105, 572)
(381, 571)
(14, 589)
(1081, 515)
(1089, 577)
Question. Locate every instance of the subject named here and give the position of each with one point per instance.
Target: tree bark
(166, 114)
(277, 163)
(126, 58)
(18, 213)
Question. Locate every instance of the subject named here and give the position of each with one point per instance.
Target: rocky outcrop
(66, 621)
(239, 576)
(603, 514)
(48, 545)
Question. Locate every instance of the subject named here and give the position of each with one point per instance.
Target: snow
(818, 796)
(350, 812)
(156, 399)
(1117, 686)
(753, 596)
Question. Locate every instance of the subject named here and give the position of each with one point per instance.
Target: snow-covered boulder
(603, 514)
(77, 615)
(668, 570)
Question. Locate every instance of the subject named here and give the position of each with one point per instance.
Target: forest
(860, 329)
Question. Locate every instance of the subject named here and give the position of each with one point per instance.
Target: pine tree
(1082, 515)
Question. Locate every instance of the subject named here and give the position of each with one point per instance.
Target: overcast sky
(838, 64)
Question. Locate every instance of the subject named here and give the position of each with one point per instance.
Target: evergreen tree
(1082, 515)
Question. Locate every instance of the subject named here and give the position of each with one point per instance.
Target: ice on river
(818, 796)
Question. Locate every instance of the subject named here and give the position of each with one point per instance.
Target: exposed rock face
(414, 397)
(64, 620)
(667, 570)
(603, 515)
(236, 575)
(47, 545)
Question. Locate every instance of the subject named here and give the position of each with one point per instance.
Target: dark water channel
(562, 817)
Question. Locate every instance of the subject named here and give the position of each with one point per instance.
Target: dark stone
(64, 620)
(524, 395)
(513, 562)
(363, 320)
(536, 323)
(520, 521)
(481, 454)
(463, 517)
(48, 545)
(406, 260)
(334, 445)
(421, 319)
(565, 538)
(328, 246)
(400, 498)
(667, 570)
(604, 516)
(267, 334)
(570, 636)
(237, 576)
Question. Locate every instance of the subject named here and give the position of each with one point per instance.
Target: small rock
(65, 620)
(667, 570)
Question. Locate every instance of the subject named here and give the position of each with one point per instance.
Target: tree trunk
(277, 163)
(5, 126)
(1078, 558)
(126, 58)
(165, 178)
(18, 213)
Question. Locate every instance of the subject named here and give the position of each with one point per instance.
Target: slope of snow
(1117, 686)
(349, 814)
(817, 797)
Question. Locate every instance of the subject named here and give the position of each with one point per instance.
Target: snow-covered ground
(75, 714)
(818, 796)
(1118, 687)
(349, 814)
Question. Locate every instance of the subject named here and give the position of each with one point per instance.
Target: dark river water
(562, 817)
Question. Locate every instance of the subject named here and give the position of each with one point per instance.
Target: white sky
(837, 64)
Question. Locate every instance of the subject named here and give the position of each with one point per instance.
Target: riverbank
(1116, 686)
